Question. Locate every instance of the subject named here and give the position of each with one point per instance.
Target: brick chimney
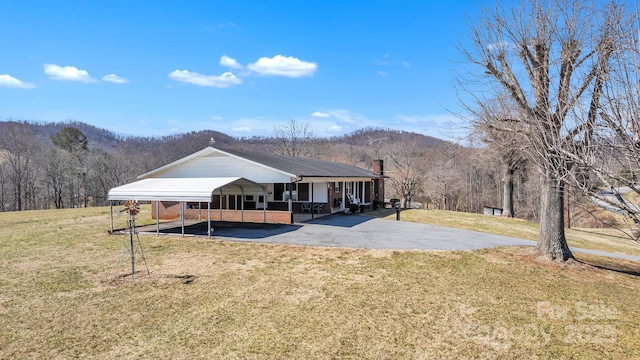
(378, 184)
(378, 167)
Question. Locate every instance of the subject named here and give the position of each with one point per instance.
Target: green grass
(63, 294)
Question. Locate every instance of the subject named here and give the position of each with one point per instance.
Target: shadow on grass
(621, 268)
(623, 237)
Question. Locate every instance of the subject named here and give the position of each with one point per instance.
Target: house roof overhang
(182, 189)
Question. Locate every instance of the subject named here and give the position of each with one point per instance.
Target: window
(299, 191)
(278, 191)
(303, 192)
(248, 198)
(348, 187)
(336, 187)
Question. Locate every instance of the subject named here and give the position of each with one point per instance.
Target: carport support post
(312, 207)
(209, 218)
(111, 215)
(182, 215)
(220, 204)
(291, 201)
(241, 203)
(157, 218)
(264, 203)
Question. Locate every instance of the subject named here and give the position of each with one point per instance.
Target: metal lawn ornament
(131, 246)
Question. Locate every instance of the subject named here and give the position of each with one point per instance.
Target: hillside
(105, 139)
(45, 172)
(377, 136)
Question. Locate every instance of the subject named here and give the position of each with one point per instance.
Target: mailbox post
(397, 207)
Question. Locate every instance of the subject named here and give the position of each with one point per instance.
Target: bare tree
(551, 58)
(504, 146)
(4, 179)
(612, 155)
(296, 139)
(406, 178)
(108, 170)
(57, 174)
(20, 145)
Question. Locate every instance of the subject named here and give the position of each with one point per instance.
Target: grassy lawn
(63, 294)
(610, 240)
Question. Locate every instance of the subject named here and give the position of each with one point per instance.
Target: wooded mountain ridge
(105, 139)
(71, 164)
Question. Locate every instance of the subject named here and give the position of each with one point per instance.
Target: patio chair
(318, 208)
(306, 207)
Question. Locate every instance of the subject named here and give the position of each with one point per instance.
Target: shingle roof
(305, 167)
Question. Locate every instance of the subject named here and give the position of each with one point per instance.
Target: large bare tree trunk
(507, 191)
(550, 60)
(552, 243)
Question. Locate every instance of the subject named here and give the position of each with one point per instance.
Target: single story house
(235, 185)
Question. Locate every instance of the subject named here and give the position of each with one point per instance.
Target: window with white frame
(297, 191)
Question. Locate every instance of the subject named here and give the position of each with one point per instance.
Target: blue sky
(155, 68)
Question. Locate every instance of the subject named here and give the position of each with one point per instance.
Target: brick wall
(170, 210)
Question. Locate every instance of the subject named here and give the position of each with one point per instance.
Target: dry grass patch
(215, 299)
(610, 240)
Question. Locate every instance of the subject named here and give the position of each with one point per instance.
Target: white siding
(320, 192)
(224, 166)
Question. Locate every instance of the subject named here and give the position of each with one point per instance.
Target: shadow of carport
(220, 228)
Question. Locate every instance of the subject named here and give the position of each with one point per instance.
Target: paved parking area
(356, 231)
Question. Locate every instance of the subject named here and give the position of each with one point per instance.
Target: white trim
(180, 189)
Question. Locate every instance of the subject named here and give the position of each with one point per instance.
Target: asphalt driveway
(355, 231)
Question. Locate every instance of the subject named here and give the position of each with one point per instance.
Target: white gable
(215, 163)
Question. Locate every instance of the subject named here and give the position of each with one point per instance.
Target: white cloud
(388, 61)
(349, 117)
(230, 62)
(382, 73)
(318, 114)
(334, 129)
(283, 66)
(217, 118)
(7, 80)
(242, 129)
(225, 80)
(67, 73)
(115, 79)
(338, 121)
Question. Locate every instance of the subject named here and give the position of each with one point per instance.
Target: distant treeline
(37, 172)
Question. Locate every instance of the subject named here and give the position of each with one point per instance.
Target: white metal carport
(183, 189)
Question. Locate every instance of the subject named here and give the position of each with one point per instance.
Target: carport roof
(181, 189)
